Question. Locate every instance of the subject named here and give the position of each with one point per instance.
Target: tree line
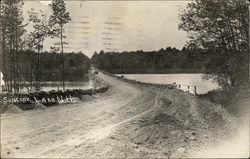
(12, 29)
(169, 60)
(15, 40)
(222, 27)
(76, 66)
(218, 46)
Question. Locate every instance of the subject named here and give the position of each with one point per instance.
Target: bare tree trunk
(38, 63)
(63, 73)
(13, 77)
(17, 63)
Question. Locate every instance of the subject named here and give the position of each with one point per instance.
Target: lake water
(57, 85)
(202, 85)
(53, 85)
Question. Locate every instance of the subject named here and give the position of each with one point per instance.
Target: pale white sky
(118, 25)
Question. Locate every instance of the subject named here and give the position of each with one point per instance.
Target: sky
(117, 25)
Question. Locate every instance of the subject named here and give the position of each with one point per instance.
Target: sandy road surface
(73, 130)
(128, 121)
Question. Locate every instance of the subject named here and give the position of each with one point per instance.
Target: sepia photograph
(124, 78)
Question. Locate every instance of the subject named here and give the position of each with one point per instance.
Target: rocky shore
(17, 102)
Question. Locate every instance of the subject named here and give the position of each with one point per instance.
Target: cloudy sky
(118, 25)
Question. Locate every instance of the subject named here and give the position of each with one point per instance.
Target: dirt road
(58, 130)
(126, 121)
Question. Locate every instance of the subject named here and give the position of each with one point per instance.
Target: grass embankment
(235, 101)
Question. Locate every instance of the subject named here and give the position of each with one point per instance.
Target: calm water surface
(203, 85)
(53, 85)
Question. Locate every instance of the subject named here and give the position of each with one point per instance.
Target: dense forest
(76, 66)
(169, 60)
(19, 65)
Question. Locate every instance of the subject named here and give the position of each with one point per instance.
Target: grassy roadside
(235, 102)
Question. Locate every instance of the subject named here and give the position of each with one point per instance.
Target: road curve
(59, 131)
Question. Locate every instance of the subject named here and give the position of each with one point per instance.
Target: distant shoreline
(171, 71)
(159, 73)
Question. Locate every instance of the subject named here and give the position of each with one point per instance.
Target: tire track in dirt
(59, 129)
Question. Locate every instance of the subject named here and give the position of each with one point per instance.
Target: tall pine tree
(41, 31)
(57, 21)
(12, 30)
